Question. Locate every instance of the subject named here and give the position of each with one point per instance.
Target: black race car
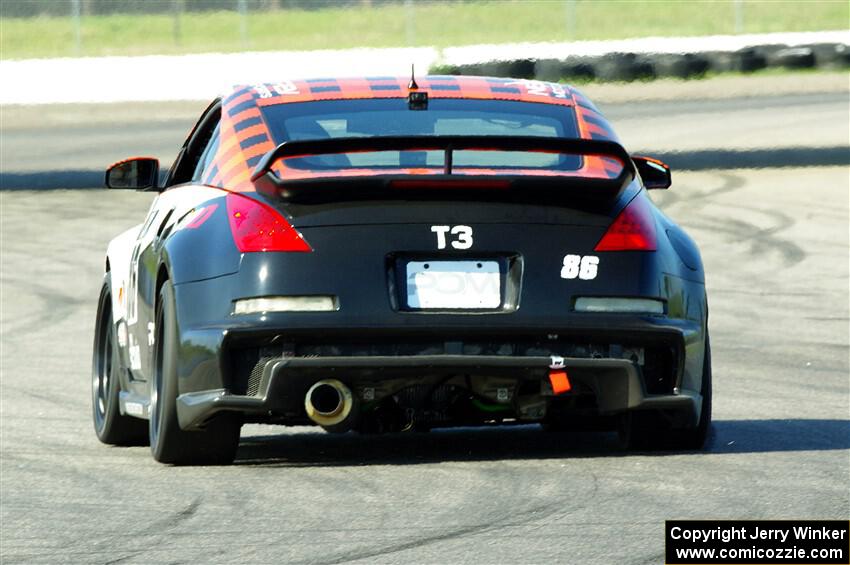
(382, 255)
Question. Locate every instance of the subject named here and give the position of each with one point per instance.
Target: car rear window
(392, 117)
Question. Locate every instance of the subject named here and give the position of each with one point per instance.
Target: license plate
(461, 285)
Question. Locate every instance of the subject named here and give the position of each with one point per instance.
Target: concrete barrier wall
(202, 77)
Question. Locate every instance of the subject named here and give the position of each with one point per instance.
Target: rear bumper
(616, 383)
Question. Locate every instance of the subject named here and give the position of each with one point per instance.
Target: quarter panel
(201, 246)
(118, 255)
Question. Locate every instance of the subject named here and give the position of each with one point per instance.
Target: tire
(649, 431)
(748, 60)
(443, 70)
(681, 66)
(624, 67)
(473, 69)
(582, 70)
(831, 55)
(572, 69)
(217, 443)
(516, 68)
(719, 61)
(549, 69)
(110, 425)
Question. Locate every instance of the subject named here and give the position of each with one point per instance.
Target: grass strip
(439, 24)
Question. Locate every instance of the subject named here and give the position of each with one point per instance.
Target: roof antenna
(412, 84)
(416, 99)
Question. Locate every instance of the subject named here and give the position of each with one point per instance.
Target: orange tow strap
(560, 381)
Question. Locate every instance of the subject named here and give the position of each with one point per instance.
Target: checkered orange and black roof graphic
(245, 137)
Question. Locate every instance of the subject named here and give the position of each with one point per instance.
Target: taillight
(632, 230)
(257, 227)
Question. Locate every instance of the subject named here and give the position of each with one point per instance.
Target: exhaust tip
(329, 403)
(326, 399)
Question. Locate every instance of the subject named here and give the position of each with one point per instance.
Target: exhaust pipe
(330, 404)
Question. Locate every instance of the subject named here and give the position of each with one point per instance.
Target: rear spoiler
(292, 189)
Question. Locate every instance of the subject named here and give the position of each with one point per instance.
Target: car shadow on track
(315, 448)
(463, 444)
(764, 436)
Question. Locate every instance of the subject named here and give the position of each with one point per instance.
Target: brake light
(632, 230)
(451, 184)
(257, 227)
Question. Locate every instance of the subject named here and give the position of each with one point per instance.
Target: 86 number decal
(578, 267)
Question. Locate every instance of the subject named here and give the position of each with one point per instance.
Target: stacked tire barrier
(626, 67)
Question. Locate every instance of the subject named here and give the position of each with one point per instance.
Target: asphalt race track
(776, 246)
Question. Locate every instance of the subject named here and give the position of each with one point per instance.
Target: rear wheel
(648, 430)
(110, 425)
(217, 443)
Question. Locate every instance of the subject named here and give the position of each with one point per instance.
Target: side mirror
(138, 173)
(654, 173)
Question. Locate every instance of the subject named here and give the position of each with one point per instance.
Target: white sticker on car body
(540, 88)
(463, 239)
(580, 267)
(134, 354)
